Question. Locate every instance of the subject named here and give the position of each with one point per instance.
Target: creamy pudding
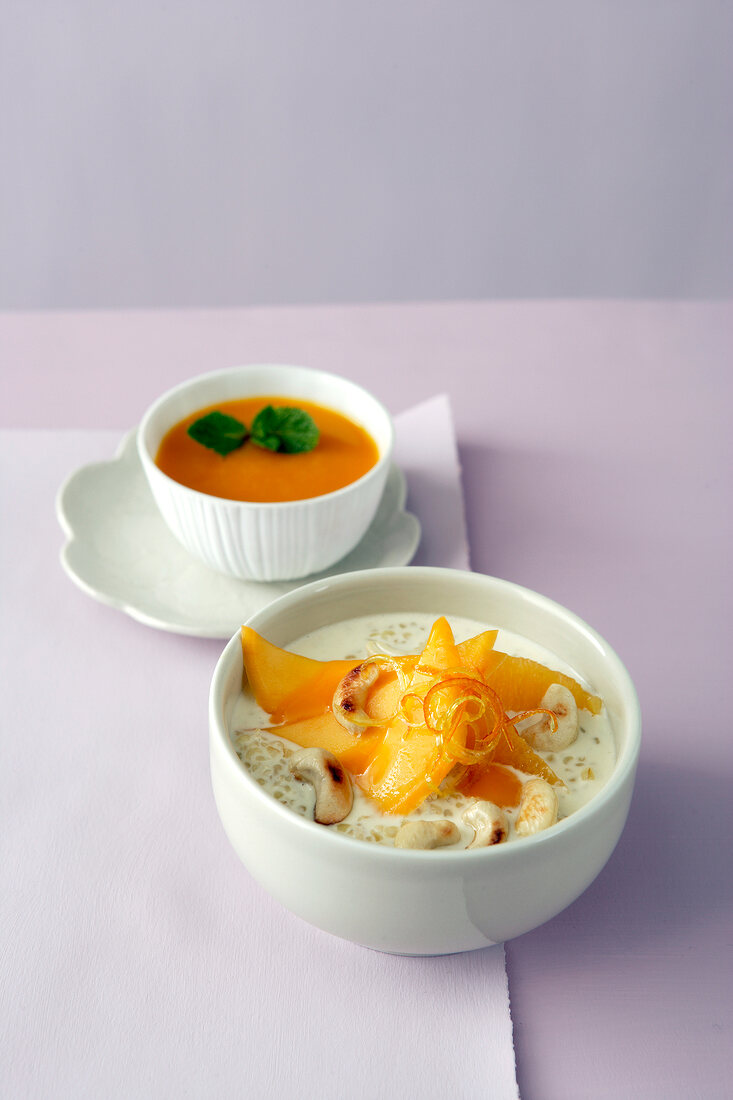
(582, 768)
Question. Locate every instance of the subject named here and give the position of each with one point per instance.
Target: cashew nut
(538, 807)
(541, 735)
(427, 834)
(350, 698)
(334, 794)
(489, 823)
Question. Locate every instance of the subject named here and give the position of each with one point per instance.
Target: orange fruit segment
(513, 749)
(496, 783)
(521, 683)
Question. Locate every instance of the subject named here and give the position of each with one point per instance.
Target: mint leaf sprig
(284, 429)
(218, 432)
(290, 430)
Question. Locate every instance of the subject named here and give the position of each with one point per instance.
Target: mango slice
(324, 732)
(286, 685)
(407, 765)
(477, 653)
(297, 693)
(397, 764)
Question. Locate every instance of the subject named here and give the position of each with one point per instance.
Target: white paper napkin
(137, 957)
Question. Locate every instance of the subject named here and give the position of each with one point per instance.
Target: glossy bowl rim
(622, 775)
(150, 466)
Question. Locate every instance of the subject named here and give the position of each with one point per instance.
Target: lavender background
(240, 152)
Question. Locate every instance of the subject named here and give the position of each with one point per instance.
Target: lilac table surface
(596, 447)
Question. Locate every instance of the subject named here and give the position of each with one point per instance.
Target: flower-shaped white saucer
(120, 551)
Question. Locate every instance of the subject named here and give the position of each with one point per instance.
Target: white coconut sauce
(584, 766)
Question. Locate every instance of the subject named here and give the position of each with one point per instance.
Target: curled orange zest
(477, 711)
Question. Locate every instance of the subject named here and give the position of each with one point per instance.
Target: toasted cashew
(350, 698)
(538, 807)
(541, 735)
(489, 823)
(334, 793)
(427, 834)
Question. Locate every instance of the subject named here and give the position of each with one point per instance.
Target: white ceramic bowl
(270, 541)
(417, 902)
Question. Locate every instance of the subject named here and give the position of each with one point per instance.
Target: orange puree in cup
(344, 453)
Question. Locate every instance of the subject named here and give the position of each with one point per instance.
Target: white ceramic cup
(417, 902)
(268, 541)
